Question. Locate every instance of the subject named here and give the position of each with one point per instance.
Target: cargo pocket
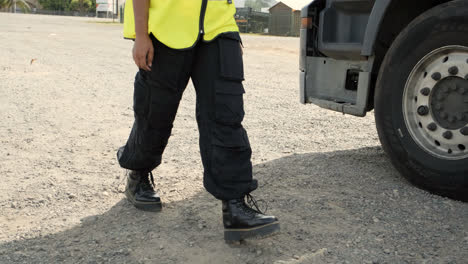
(231, 153)
(229, 114)
(229, 102)
(230, 160)
(141, 95)
(231, 63)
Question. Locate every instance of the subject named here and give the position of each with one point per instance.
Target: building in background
(285, 17)
(107, 8)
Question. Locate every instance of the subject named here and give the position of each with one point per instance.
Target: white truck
(408, 60)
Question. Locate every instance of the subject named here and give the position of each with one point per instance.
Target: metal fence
(55, 12)
(63, 13)
(252, 21)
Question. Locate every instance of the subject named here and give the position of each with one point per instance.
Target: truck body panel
(335, 70)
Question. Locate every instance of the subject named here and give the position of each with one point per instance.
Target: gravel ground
(66, 106)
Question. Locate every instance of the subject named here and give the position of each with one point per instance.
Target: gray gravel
(66, 106)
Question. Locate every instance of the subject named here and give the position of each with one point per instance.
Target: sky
(296, 4)
(239, 3)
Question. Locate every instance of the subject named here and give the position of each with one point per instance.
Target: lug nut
(436, 76)
(423, 110)
(432, 127)
(464, 131)
(453, 70)
(425, 91)
(447, 135)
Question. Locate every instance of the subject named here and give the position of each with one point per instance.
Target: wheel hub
(449, 103)
(435, 103)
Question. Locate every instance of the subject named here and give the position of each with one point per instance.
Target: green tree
(15, 3)
(58, 5)
(83, 6)
(257, 5)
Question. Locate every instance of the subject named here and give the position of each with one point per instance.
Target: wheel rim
(435, 103)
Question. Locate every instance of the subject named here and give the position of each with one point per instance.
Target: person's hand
(143, 52)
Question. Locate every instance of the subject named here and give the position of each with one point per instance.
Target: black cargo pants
(216, 69)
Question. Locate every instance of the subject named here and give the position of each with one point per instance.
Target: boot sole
(238, 234)
(144, 206)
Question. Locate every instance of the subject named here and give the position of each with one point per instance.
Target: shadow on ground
(334, 207)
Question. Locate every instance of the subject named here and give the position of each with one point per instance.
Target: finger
(139, 63)
(144, 61)
(136, 58)
(150, 57)
(143, 64)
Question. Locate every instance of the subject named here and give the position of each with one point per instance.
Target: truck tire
(421, 101)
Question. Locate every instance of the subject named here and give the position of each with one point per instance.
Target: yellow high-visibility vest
(178, 23)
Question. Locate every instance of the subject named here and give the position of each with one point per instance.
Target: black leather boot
(140, 191)
(241, 221)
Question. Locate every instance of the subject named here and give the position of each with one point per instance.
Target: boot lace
(252, 206)
(146, 184)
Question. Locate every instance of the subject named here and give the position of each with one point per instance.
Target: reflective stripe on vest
(178, 23)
